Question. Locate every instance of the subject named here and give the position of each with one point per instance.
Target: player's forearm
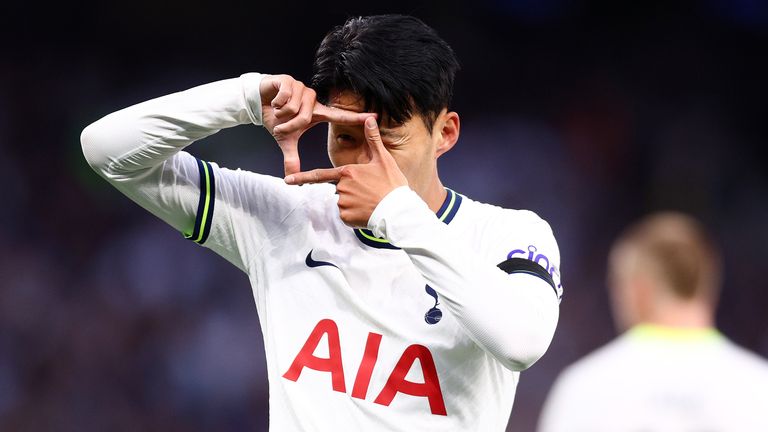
(143, 136)
(512, 317)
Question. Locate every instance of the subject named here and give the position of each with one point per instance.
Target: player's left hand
(360, 186)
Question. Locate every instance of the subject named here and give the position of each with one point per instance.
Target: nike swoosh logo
(312, 263)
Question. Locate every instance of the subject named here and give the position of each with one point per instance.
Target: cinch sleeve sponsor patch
(204, 217)
(522, 265)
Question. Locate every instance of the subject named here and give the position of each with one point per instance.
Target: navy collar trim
(446, 213)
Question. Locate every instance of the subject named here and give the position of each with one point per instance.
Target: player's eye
(345, 139)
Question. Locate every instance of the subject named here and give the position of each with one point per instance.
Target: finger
(284, 91)
(303, 120)
(322, 175)
(291, 161)
(373, 138)
(324, 113)
(291, 108)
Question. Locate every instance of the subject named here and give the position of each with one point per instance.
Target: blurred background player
(671, 370)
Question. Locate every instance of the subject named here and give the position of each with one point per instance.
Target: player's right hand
(289, 108)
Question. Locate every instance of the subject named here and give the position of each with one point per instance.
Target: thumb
(291, 161)
(373, 138)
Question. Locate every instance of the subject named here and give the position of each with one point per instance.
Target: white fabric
(493, 324)
(656, 384)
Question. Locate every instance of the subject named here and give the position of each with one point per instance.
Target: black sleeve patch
(522, 265)
(204, 217)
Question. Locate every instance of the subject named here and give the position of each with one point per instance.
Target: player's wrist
(402, 203)
(251, 83)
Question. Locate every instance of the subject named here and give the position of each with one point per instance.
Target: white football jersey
(406, 325)
(662, 380)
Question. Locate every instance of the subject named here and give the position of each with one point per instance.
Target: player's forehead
(347, 100)
(351, 101)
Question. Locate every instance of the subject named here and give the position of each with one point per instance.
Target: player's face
(414, 148)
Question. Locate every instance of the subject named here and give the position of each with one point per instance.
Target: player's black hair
(396, 63)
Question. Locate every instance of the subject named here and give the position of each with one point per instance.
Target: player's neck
(433, 194)
(688, 315)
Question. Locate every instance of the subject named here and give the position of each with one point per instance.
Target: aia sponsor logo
(396, 383)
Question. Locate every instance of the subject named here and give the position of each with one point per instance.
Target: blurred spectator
(671, 370)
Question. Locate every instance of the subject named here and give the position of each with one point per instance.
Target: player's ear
(446, 131)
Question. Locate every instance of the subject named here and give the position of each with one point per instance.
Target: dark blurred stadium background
(589, 113)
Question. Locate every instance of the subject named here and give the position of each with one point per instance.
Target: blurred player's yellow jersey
(662, 380)
(423, 331)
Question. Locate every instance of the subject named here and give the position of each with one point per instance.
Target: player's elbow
(105, 143)
(530, 341)
(93, 142)
(531, 350)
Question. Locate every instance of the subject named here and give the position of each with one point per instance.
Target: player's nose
(364, 155)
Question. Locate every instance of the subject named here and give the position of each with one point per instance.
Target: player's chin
(352, 219)
(355, 226)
